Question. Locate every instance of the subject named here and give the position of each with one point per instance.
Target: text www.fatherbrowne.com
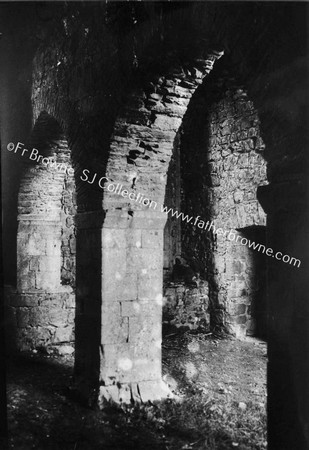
(231, 236)
(105, 184)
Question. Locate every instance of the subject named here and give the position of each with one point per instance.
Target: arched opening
(126, 301)
(219, 226)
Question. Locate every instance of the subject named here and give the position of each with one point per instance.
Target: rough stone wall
(68, 235)
(237, 168)
(186, 306)
(220, 184)
(172, 229)
(42, 307)
(41, 320)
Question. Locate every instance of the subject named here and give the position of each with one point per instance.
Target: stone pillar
(41, 309)
(122, 314)
(285, 203)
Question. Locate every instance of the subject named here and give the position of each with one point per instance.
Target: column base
(141, 392)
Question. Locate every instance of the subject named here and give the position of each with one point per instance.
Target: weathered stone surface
(64, 334)
(149, 284)
(152, 238)
(40, 318)
(186, 306)
(127, 392)
(164, 122)
(224, 174)
(65, 350)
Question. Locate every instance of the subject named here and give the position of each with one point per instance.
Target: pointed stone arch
(130, 230)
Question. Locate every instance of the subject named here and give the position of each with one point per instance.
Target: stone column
(125, 359)
(41, 309)
(285, 203)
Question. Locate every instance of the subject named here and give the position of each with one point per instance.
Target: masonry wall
(172, 229)
(69, 72)
(186, 306)
(42, 307)
(222, 166)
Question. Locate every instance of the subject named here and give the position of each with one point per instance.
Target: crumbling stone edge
(128, 393)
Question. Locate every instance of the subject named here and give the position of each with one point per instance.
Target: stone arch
(130, 230)
(222, 164)
(45, 298)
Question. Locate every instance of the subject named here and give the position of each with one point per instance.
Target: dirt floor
(221, 385)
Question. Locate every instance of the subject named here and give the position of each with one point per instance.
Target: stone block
(236, 308)
(251, 327)
(114, 264)
(166, 123)
(33, 262)
(53, 247)
(49, 280)
(181, 92)
(50, 263)
(151, 308)
(149, 221)
(72, 244)
(22, 316)
(147, 368)
(240, 320)
(139, 260)
(115, 329)
(65, 350)
(69, 301)
(152, 239)
(29, 300)
(64, 334)
(128, 290)
(146, 329)
(23, 263)
(26, 282)
(117, 363)
(115, 394)
(134, 237)
(113, 238)
(129, 308)
(130, 363)
(31, 245)
(149, 285)
(119, 288)
(170, 109)
(58, 317)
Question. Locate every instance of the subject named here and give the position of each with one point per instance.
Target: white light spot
(136, 306)
(190, 370)
(193, 347)
(159, 299)
(158, 344)
(125, 364)
(144, 271)
(118, 276)
(138, 244)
